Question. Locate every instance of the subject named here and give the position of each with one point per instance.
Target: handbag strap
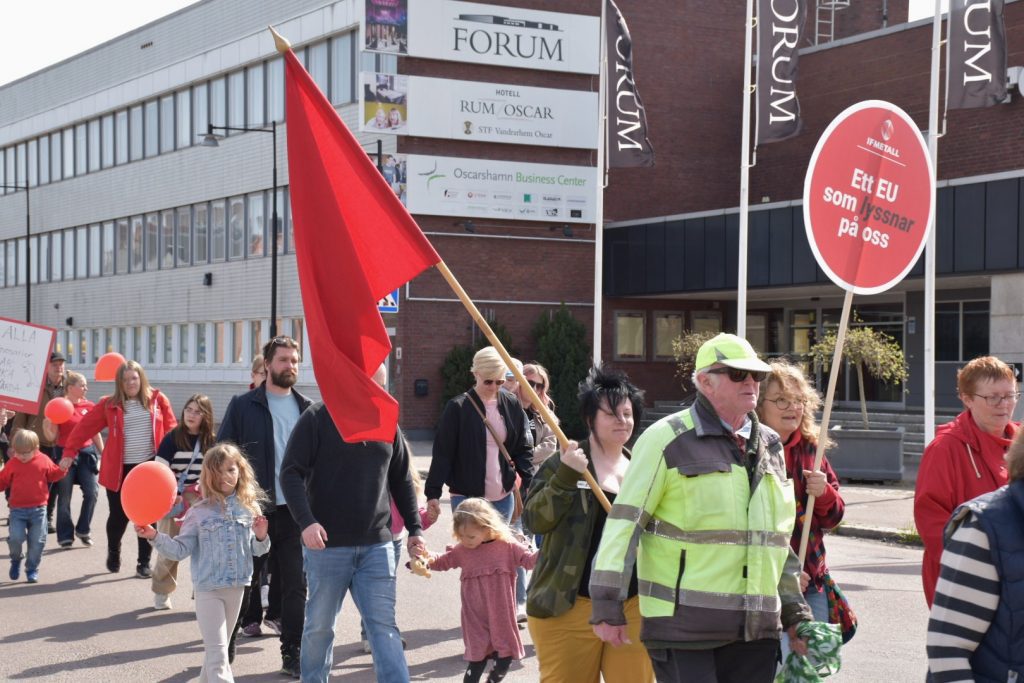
(490, 428)
(184, 472)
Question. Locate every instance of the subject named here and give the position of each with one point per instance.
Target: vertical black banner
(628, 144)
(780, 29)
(977, 54)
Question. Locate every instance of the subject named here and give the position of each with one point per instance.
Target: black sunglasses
(489, 382)
(739, 375)
(537, 386)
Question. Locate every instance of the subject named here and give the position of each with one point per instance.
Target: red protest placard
(868, 197)
(24, 355)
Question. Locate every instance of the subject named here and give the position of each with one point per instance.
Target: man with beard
(260, 422)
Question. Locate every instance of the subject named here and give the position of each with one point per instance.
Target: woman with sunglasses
(544, 441)
(787, 404)
(967, 457)
(468, 459)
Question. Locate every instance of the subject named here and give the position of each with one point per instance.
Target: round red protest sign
(868, 197)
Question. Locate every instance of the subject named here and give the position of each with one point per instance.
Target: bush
(684, 348)
(563, 348)
(456, 376)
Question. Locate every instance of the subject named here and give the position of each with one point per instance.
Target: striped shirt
(966, 597)
(138, 433)
(178, 460)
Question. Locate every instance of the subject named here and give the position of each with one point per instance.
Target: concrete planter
(873, 454)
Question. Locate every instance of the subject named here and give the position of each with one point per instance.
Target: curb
(888, 535)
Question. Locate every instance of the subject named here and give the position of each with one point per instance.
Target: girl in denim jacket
(221, 533)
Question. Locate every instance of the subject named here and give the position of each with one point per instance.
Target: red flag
(354, 244)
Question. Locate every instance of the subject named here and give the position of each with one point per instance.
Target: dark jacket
(345, 486)
(248, 424)
(459, 453)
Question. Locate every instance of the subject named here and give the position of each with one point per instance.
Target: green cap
(731, 351)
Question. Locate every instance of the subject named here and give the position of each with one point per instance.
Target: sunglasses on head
(537, 386)
(735, 375)
(489, 382)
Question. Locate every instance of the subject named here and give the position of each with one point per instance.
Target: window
(257, 225)
(218, 231)
(121, 137)
(123, 242)
(135, 146)
(137, 344)
(57, 256)
(184, 114)
(153, 339)
(236, 228)
(236, 99)
(108, 334)
(183, 344)
(200, 109)
(43, 259)
(152, 241)
(3, 264)
(122, 340)
(167, 239)
(94, 145)
(297, 333)
(44, 160)
(33, 163)
(254, 91)
(630, 335)
(69, 255)
(342, 70)
(22, 261)
(83, 346)
(95, 251)
(167, 128)
(218, 102)
(286, 224)
(168, 337)
(236, 342)
(316, 64)
(200, 229)
(94, 345)
(200, 342)
(151, 128)
(19, 164)
(11, 275)
(667, 327)
(706, 321)
(961, 330)
(255, 338)
(33, 259)
(280, 221)
(218, 343)
(108, 248)
(81, 149)
(107, 140)
(9, 166)
(137, 252)
(275, 89)
(55, 157)
(81, 253)
(184, 236)
(3, 174)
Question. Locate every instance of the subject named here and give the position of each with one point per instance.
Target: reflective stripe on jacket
(709, 535)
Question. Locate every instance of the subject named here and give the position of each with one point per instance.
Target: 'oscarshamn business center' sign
(484, 34)
(486, 112)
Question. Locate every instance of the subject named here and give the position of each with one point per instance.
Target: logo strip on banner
(976, 57)
(629, 144)
(780, 28)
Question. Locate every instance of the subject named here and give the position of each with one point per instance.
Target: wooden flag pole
(546, 414)
(833, 375)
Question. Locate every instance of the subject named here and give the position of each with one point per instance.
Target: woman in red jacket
(137, 416)
(967, 458)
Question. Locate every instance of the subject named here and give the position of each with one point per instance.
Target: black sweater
(345, 486)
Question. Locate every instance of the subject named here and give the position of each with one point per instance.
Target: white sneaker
(161, 601)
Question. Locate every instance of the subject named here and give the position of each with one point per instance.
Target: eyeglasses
(783, 403)
(537, 386)
(994, 401)
(489, 382)
(739, 375)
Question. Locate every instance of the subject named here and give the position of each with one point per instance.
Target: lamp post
(28, 250)
(211, 140)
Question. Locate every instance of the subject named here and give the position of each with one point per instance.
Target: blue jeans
(83, 473)
(505, 507)
(27, 524)
(369, 571)
(818, 602)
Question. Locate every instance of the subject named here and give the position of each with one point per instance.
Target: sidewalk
(877, 512)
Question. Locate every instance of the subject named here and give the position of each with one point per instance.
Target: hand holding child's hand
(65, 463)
(434, 508)
(574, 457)
(260, 525)
(147, 532)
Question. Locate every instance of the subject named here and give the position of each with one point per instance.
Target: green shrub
(563, 348)
(456, 376)
(684, 348)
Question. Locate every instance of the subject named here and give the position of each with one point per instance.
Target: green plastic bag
(823, 643)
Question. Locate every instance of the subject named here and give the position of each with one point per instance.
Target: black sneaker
(143, 571)
(113, 562)
(51, 528)
(290, 662)
(86, 539)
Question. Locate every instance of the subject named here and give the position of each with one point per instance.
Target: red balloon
(107, 365)
(148, 492)
(59, 410)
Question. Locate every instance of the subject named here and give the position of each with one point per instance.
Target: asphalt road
(82, 623)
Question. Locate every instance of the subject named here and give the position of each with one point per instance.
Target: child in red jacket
(28, 475)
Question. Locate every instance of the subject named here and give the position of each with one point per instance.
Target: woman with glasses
(967, 458)
(787, 404)
(467, 457)
(544, 441)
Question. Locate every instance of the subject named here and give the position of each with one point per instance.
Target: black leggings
(118, 521)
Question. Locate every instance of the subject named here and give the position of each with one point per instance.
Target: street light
(28, 250)
(211, 140)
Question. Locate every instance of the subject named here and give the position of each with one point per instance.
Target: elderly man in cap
(706, 512)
